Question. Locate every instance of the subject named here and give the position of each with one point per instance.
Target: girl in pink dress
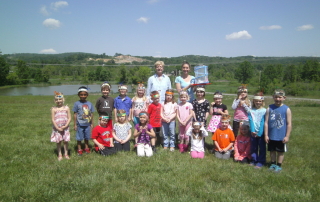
(216, 110)
(184, 115)
(61, 117)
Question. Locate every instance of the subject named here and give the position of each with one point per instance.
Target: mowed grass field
(30, 170)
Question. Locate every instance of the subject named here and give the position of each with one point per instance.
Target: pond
(48, 90)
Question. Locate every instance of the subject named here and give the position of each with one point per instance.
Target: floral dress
(61, 119)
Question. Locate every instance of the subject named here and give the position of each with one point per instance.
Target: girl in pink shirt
(242, 145)
(168, 115)
(241, 105)
(184, 114)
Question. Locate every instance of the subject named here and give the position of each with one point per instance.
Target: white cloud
(270, 27)
(59, 4)
(239, 35)
(305, 27)
(47, 51)
(43, 11)
(52, 23)
(143, 19)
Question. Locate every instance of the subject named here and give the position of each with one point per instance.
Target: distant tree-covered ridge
(96, 59)
(299, 76)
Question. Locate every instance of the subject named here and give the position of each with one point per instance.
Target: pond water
(48, 90)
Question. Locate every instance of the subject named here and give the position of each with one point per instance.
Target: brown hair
(200, 136)
(171, 91)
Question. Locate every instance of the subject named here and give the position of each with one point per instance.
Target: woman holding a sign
(184, 82)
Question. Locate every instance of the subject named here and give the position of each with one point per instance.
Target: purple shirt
(143, 137)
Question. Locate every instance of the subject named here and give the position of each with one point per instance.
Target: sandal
(60, 158)
(67, 156)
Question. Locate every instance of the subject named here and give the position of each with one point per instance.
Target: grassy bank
(30, 170)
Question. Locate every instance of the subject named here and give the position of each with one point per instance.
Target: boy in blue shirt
(122, 102)
(83, 116)
(277, 127)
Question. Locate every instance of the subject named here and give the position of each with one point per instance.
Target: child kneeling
(144, 132)
(102, 137)
(197, 133)
(223, 139)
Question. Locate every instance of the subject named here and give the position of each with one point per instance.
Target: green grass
(30, 170)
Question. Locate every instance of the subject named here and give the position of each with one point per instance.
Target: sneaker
(80, 152)
(252, 164)
(273, 167)
(172, 149)
(277, 169)
(258, 166)
(154, 149)
(87, 150)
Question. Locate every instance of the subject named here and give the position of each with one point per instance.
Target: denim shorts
(83, 132)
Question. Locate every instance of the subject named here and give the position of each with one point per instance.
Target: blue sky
(167, 28)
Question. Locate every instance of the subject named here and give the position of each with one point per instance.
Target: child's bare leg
(65, 148)
(153, 141)
(273, 156)
(86, 144)
(280, 157)
(59, 149)
(79, 145)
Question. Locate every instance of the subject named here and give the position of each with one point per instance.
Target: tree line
(295, 78)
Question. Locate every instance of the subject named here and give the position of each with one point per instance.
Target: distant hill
(96, 59)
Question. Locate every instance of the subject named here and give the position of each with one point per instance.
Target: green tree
(23, 72)
(105, 75)
(4, 71)
(244, 72)
(123, 75)
(98, 73)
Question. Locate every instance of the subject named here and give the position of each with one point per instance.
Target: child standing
(223, 139)
(217, 109)
(102, 136)
(83, 119)
(154, 110)
(201, 106)
(105, 104)
(122, 102)
(168, 115)
(144, 132)
(241, 105)
(277, 128)
(197, 134)
(60, 117)
(242, 145)
(122, 132)
(184, 112)
(256, 118)
(139, 103)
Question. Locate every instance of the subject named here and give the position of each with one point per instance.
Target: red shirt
(155, 114)
(102, 135)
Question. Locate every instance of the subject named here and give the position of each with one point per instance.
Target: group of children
(253, 125)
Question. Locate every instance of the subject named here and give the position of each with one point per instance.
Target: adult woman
(183, 82)
(158, 81)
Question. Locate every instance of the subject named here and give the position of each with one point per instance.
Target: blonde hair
(159, 63)
(184, 93)
(257, 94)
(240, 90)
(122, 111)
(139, 87)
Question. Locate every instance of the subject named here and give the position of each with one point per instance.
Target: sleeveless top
(277, 123)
